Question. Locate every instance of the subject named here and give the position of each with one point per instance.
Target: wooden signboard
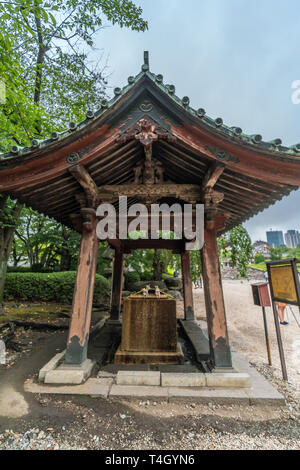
(284, 281)
(285, 288)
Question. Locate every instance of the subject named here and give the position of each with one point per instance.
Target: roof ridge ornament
(146, 66)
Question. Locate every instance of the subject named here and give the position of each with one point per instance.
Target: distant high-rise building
(292, 238)
(275, 238)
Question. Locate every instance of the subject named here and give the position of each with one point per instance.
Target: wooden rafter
(87, 183)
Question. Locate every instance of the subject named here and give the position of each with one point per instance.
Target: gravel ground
(34, 439)
(119, 425)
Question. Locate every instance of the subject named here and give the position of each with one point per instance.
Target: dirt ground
(246, 329)
(68, 422)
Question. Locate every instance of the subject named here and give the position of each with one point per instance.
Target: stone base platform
(152, 358)
(64, 374)
(258, 392)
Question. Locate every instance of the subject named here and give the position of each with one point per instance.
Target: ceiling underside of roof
(244, 196)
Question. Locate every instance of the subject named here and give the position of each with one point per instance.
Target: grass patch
(260, 266)
(34, 312)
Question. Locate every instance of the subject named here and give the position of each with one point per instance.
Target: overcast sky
(235, 58)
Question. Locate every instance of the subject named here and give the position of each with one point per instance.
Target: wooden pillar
(117, 283)
(187, 286)
(84, 290)
(214, 299)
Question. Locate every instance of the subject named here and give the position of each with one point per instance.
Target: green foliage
(146, 276)
(196, 266)
(44, 243)
(259, 258)
(223, 243)
(102, 263)
(241, 249)
(277, 253)
(18, 269)
(140, 261)
(45, 66)
(131, 278)
(51, 287)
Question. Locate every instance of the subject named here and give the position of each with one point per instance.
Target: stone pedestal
(149, 332)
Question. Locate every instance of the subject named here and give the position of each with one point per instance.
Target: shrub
(18, 269)
(35, 268)
(49, 287)
(259, 258)
(131, 278)
(146, 276)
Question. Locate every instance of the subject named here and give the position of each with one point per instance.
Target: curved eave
(216, 126)
(256, 175)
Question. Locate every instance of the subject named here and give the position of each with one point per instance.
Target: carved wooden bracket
(146, 131)
(212, 198)
(186, 192)
(87, 183)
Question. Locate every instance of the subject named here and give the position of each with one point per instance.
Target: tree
(47, 76)
(259, 258)
(45, 66)
(9, 214)
(43, 242)
(277, 253)
(241, 249)
(196, 266)
(140, 261)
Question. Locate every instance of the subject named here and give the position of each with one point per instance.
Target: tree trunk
(6, 240)
(158, 266)
(66, 255)
(66, 259)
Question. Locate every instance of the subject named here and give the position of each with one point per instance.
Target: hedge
(18, 269)
(50, 287)
(36, 268)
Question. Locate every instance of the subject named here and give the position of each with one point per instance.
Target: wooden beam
(214, 299)
(117, 284)
(187, 286)
(212, 176)
(87, 183)
(115, 243)
(177, 246)
(83, 293)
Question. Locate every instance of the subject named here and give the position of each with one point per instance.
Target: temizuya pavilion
(151, 146)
